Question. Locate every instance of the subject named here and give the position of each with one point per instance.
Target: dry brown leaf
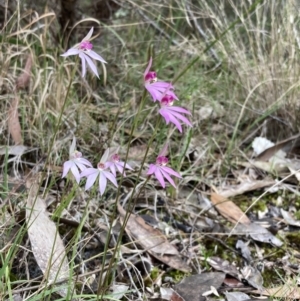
(257, 233)
(153, 241)
(269, 166)
(286, 291)
(245, 187)
(229, 209)
(137, 152)
(47, 246)
(24, 78)
(14, 126)
(286, 145)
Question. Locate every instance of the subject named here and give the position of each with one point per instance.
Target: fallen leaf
(47, 246)
(289, 219)
(118, 291)
(225, 266)
(193, 287)
(166, 293)
(232, 282)
(286, 145)
(13, 122)
(279, 165)
(24, 78)
(153, 241)
(253, 277)
(295, 171)
(257, 233)
(286, 291)
(244, 250)
(236, 296)
(260, 144)
(16, 150)
(14, 126)
(229, 210)
(245, 187)
(176, 297)
(151, 238)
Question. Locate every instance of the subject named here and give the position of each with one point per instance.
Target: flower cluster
(161, 171)
(161, 92)
(106, 168)
(86, 54)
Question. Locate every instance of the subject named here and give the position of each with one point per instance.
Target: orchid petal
(164, 151)
(152, 169)
(67, 166)
(113, 169)
(87, 172)
(111, 177)
(89, 35)
(154, 94)
(128, 166)
(81, 166)
(119, 167)
(71, 51)
(182, 118)
(84, 161)
(167, 176)
(90, 180)
(95, 56)
(102, 182)
(75, 173)
(72, 147)
(175, 121)
(180, 110)
(148, 67)
(91, 65)
(162, 85)
(82, 57)
(170, 118)
(171, 171)
(105, 156)
(160, 177)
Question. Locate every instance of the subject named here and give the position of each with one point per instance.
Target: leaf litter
(153, 241)
(192, 224)
(47, 246)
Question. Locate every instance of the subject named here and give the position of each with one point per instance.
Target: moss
(293, 239)
(176, 275)
(244, 202)
(271, 277)
(297, 214)
(154, 273)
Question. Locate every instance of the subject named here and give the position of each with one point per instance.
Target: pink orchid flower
(161, 171)
(156, 88)
(86, 54)
(114, 163)
(101, 173)
(173, 114)
(75, 163)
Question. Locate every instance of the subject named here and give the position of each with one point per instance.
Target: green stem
(100, 291)
(128, 213)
